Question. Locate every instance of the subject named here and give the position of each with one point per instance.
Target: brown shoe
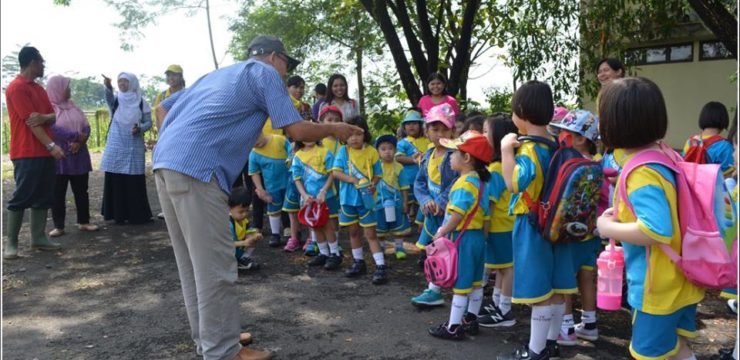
(88, 227)
(251, 354)
(245, 338)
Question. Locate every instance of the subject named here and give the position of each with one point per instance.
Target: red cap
(333, 108)
(473, 143)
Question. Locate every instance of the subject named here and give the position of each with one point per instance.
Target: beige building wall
(686, 87)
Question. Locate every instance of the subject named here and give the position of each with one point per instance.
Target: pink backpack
(705, 260)
(440, 266)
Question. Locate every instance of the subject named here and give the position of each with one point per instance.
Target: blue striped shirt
(211, 126)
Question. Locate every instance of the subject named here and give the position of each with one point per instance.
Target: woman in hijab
(124, 190)
(71, 131)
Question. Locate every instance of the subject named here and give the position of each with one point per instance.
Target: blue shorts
(585, 254)
(729, 293)
(656, 336)
(419, 217)
(292, 202)
(470, 260)
(540, 268)
(428, 229)
(351, 215)
(399, 227)
(276, 206)
(499, 254)
(333, 204)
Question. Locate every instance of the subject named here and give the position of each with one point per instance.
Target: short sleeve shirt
(312, 167)
(210, 124)
(501, 221)
(391, 183)
(529, 174)
(721, 152)
(463, 195)
(360, 163)
(434, 175)
(651, 190)
(23, 97)
(426, 104)
(270, 161)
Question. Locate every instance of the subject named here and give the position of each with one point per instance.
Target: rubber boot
(14, 219)
(39, 241)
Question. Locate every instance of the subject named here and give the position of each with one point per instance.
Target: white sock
(379, 259)
(539, 326)
(249, 251)
(475, 299)
(737, 345)
(275, 224)
(399, 243)
(357, 254)
(567, 323)
(457, 310)
(505, 304)
(313, 236)
(334, 248)
(557, 319)
(588, 317)
(434, 288)
(324, 249)
(496, 297)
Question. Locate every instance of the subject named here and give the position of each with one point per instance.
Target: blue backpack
(570, 199)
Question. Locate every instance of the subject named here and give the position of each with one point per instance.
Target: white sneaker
(732, 304)
(586, 334)
(160, 215)
(56, 232)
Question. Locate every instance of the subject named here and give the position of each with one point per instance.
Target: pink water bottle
(611, 270)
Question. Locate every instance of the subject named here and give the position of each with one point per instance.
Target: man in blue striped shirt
(204, 142)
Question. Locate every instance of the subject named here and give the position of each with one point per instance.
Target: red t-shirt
(24, 97)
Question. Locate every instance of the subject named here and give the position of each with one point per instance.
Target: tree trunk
(210, 34)
(458, 71)
(716, 17)
(360, 84)
(379, 12)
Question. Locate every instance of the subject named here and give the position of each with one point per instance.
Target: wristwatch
(50, 146)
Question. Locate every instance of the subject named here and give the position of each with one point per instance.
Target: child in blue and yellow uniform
(313, 178)
(466, 222)
(392, 188)
(357, 166)
(432, 189)
(499, 253)
(291, 205)
(410, 151)
(663, 301)
(267, 162)
(244, 237)
(714, 119)
(542, 271)
(580, 129)
(327, 115)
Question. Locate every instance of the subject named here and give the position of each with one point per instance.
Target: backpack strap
(712, 140)
(470, 217)
(542, 140)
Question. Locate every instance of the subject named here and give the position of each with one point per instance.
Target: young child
(244, 237)
(411, 148)
(312, 175)
(580, 128)
(392, 188)
(499, 254)
(332, 114)
(267, 161)
(436, 95)
(432, 189)
(712, 121)
(467, 217)
(357, 166)
(291, 205)
(542, 271)
(633, 117)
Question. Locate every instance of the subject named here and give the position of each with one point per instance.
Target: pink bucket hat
(442, 113)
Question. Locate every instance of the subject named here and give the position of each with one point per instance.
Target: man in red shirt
(32, 152)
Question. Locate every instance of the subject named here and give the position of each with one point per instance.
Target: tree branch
(462, 50)
(716, 17)
(417, 53)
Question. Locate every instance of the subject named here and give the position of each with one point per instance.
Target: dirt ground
(115, 294)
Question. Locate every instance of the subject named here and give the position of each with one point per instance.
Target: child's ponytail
(480, 168)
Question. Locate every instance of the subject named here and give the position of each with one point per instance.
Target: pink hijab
(69, 116)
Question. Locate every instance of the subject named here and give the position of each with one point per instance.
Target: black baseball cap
(267, 44)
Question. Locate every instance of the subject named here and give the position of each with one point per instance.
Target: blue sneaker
(428, 298)
(312, 249)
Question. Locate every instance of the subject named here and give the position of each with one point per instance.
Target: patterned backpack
(571, 195)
